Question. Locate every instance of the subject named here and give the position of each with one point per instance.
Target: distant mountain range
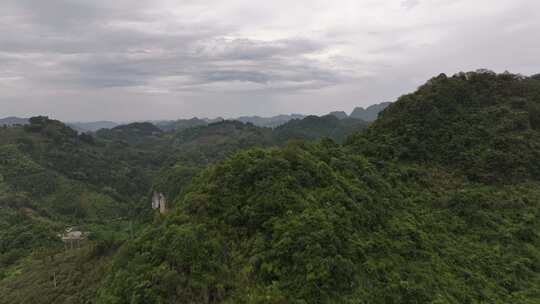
(270, 122)
(10, 121)
(92, 126)
(339, 114)
(368, 114)
(78, 126)
(182, 124)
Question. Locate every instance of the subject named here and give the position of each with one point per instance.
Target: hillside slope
(390, 217)
(52, 178)
(370, 113)
(313, 128)
(483, 124)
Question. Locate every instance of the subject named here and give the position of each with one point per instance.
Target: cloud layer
(101, 59)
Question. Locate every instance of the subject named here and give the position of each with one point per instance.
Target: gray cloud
(236, 57)
(410, 4)
(96, 46)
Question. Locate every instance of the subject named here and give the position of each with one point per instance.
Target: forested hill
(486, 125)
(314, 128)
(370, 113)
(51, 177)
(390, 217)
(137, 133)
(437, 202)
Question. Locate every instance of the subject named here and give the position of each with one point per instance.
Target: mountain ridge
(370, 113)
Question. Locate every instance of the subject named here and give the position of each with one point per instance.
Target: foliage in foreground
(391, 217)
(316, 225)
(438, 202)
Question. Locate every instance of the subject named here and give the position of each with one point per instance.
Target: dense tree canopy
(482, 123)
(437, 202)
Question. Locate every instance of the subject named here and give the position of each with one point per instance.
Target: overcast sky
(162, 59)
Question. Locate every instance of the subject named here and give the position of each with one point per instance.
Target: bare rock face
(159, 202)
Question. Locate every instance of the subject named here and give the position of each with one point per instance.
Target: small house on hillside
(71, 236)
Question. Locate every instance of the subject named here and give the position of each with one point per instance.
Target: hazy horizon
(163, 60)
(172, 119)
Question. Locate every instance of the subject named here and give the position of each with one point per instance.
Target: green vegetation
(437, 202)
(133, 133)
(483, 124)
(53, 178)
(46, 185)
(182, 124)
(68, 277)
(317, 225)
(314, 128)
